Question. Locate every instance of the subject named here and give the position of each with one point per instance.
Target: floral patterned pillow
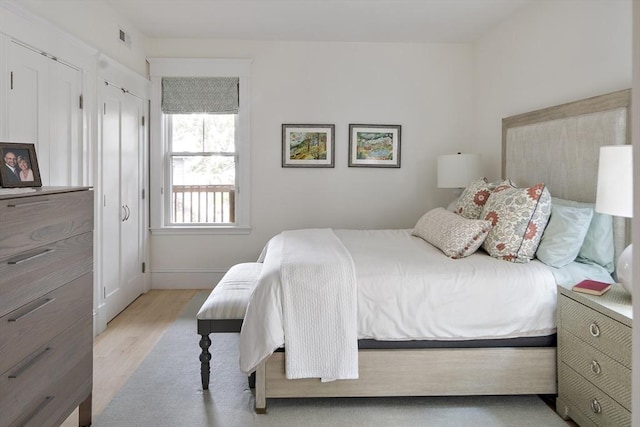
(519, 217)
(455, 236)
(473, 198)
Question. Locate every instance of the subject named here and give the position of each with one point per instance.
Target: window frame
(159, 148)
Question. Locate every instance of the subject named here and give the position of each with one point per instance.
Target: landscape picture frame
(16, 154)
(308, 145)
(375, 146)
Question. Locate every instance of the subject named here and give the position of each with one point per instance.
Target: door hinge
(142, 120)
(80, 102)
(143, 194)
(143, 267)
(11, 80)
(104, 292)
(104, 108)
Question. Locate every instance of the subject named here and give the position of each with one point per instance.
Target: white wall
(97, 24)
(424, 88)
(447, 98)
(546, 54)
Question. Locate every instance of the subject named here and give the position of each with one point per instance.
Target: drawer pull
(36, 308)
(35, 202)
(595, 406)
(30, 257)
(38, 409)
(595, 367)
(29, 364)
(594, 330)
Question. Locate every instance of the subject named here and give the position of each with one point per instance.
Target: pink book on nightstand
(592, 287)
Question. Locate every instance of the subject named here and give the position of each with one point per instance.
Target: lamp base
(624, 269)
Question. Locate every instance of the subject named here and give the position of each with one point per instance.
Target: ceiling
(423, 21)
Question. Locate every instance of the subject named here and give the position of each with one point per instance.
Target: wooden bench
(224, 309)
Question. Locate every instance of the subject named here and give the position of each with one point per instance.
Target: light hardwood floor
(128, 339)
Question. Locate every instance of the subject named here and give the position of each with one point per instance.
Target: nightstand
(594, 357)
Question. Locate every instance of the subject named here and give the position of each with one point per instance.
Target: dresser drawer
(592, 402)
(50, 363)
(31, 222)
(602, 332)
(53, 405)
(601, 370)
(31, 275)
(22, 330)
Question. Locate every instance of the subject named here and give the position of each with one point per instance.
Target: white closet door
(131, 155)
(44, 98)
(121, 178)
(65, 151)
(28, 95)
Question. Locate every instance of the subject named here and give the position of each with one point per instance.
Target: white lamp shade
(458, 170)
(615, 181)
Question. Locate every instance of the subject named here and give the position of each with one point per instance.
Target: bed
(477, 333)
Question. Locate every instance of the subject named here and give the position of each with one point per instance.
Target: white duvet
(409, 290)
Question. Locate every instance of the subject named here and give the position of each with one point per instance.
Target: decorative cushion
(564, 235)
(473, 198)
(230, 297)
(598, 246)
(455, 236)
(519, 217)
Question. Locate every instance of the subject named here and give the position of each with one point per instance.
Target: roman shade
(185, 95)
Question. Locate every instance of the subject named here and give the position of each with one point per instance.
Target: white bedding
(408, 290)
(316, 272)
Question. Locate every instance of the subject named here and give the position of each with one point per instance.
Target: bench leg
(205, 357)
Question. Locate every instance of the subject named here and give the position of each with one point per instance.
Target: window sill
(199, 230)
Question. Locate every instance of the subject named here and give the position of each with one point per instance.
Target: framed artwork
(375, 146)
(308, 146)
(19, 165)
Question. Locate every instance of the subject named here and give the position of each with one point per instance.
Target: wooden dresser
(594, 357)
(46, 306)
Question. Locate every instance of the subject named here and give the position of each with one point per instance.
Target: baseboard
(186, 279)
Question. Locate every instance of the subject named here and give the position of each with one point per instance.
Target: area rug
(165, 391)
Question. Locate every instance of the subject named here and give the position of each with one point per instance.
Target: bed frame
(565, 140)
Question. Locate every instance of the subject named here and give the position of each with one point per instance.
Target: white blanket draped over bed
(406, 289)
(318, 288)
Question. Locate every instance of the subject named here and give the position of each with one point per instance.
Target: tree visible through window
(202, 158)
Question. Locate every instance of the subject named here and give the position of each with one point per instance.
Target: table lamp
(614, 196)
(458, 170)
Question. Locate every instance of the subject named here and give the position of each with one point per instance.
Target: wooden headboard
(560, 146)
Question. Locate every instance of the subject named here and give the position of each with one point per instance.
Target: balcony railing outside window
(203, 204)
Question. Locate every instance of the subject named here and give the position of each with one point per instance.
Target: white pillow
(454, 235)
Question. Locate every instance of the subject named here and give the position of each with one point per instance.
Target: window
(199, 156)
(202, 168)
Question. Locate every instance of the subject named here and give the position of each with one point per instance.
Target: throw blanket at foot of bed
(312, 275)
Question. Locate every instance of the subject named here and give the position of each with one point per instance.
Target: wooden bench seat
(224, 309)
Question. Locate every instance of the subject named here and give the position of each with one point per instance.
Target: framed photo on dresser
(19, 165)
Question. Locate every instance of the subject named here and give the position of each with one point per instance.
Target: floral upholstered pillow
(455, 236)
(519, 217)
(473, 198)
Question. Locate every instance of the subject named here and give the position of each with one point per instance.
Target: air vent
(124, 37)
